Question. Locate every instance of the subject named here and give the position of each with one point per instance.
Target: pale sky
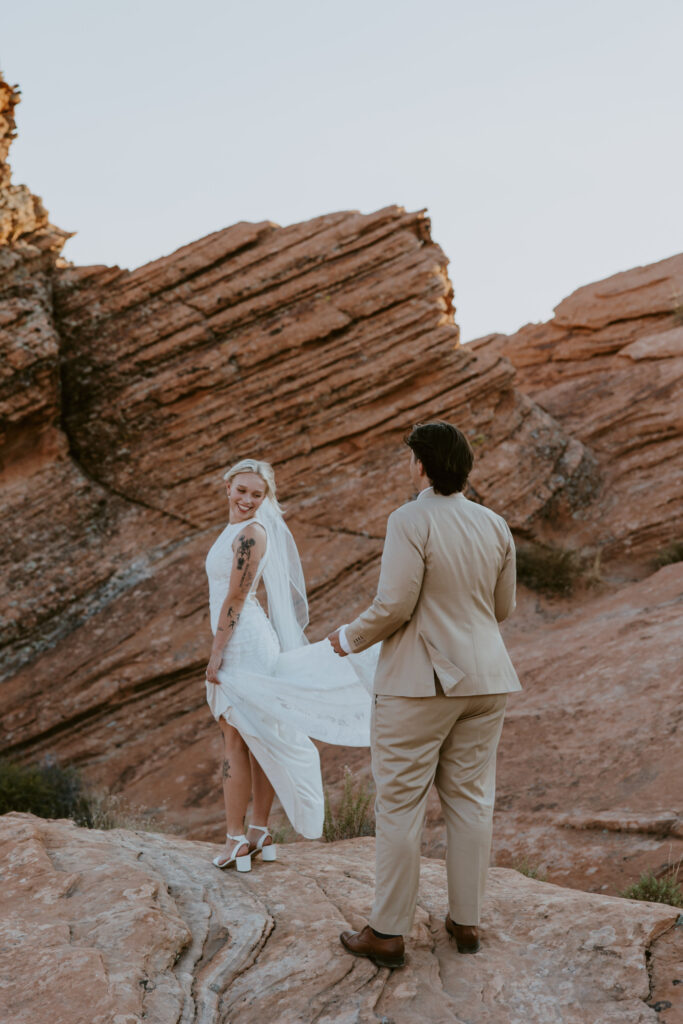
(545, 138)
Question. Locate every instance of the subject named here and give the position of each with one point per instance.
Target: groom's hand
(336, 646)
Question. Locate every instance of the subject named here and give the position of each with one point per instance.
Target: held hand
(213, 666)
(336, 646)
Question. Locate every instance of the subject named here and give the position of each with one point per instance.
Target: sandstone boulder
(126, 926)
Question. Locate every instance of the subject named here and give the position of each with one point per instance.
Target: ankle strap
(235, 839)
(261, 828)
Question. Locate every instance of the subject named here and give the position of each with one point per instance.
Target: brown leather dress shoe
(383, 952)
(466, 936)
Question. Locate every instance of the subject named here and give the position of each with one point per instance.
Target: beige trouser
(417, 741)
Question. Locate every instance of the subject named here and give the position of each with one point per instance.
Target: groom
(447, 580)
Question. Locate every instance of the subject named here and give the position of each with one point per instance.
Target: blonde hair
(263, 469)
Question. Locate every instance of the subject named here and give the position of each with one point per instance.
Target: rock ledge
(127, 926)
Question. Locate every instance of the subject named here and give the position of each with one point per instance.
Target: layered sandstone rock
(126, 926)
(316, 345)
(63, 533)
(29, 343)
(252, 373)
(609, 367)
(123, 395)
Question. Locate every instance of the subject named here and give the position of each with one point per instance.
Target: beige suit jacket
(447, 579)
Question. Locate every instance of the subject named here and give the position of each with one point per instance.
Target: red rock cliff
(125, 395)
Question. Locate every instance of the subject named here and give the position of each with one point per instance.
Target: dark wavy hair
(445, 453)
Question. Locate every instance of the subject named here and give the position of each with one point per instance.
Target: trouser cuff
(389, 927)
(465, 914)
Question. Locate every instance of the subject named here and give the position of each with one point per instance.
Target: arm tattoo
(244, 550)
(244, 561)
(226, 769)
(232, 618)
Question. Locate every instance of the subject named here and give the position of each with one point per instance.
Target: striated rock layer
(123, 396)
(29, 343)
(609, 367)
(124, 926)
(316, 346)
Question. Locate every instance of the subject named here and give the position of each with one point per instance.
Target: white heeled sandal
(243, 862)
(268, 852)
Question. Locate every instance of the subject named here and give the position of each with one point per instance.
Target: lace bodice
(219, 567)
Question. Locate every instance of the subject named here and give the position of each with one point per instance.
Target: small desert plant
(529, 868)
(282, 834)
(548, 569)
(110, 810)
(354, 815)
(44, 789)
(671, 553)
(665, 889)
(50, 791)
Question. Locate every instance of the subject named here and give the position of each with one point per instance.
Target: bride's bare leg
(263, 800)
(236, 774)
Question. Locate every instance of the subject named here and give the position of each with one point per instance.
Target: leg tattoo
(226, 769)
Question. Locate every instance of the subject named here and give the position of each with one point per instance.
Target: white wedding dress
(277, 700)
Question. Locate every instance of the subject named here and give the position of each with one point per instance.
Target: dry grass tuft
(531, 869)
(354, 815)
(283, 834)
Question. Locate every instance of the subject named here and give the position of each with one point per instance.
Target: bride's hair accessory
(282, 573)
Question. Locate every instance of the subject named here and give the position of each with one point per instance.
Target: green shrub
(529, 868)
(665, 889)
(671, 553)
(50, 791)
(43, 789)
(547, 569)
(354, 816)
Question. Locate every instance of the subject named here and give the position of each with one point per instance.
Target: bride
(269, 690)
